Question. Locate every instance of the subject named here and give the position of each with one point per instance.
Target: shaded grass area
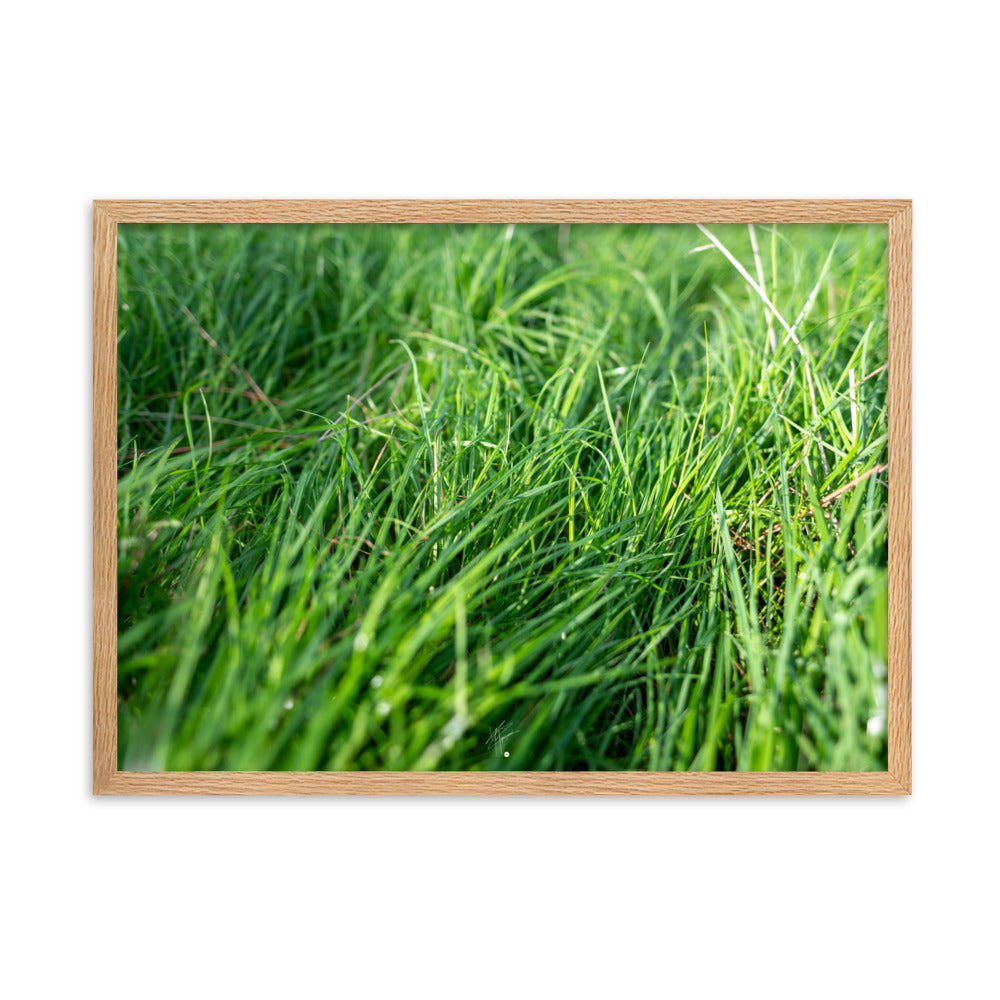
(489, 497)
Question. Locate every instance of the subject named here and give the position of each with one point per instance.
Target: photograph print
(502, 497)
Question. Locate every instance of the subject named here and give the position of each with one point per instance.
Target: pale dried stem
(771, 338)
(789, 330)
(830, 497)
(258, 393)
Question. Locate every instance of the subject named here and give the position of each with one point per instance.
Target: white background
(447, 897)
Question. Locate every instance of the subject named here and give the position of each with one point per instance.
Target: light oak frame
(108, 780)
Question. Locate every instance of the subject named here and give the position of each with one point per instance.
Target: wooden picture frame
(107, 779)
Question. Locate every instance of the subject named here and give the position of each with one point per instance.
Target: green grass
(489, 497)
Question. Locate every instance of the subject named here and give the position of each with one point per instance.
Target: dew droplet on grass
(377, 681)
(361, 642)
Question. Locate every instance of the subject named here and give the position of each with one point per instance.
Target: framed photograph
(502, 497)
